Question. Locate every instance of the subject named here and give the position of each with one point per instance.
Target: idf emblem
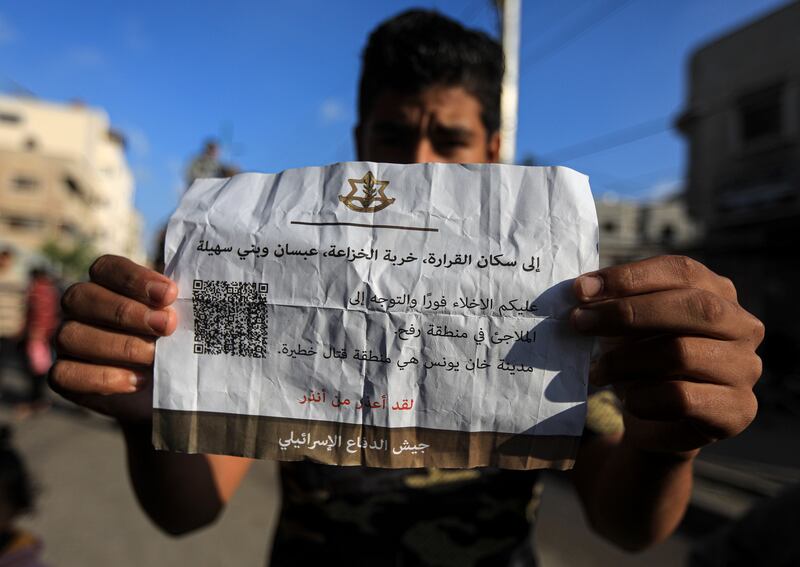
(373, 198)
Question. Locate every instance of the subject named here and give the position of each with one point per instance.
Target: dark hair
(422, 48)
(15, 484)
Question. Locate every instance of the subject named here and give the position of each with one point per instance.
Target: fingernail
(157, 290)
(138, 380)
(158, 320)
(585, 319)
(590, 285)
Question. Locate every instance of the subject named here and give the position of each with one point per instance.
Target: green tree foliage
(73, 260)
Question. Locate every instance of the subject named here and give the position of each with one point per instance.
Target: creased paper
(379, 314)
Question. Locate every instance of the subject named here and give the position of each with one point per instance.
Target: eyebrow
(394, 126)
(458, 132)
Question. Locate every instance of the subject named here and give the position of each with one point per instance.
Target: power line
(553, 24)
(609, 140)
(633, 185)
(17, 89)
(580, 28)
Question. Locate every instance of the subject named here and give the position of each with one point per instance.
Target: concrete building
(64, 178)
(742, 123)
(632, 230)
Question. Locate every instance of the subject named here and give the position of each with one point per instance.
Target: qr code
(230, 318)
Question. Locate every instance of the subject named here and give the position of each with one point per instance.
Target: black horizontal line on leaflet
(365, 225)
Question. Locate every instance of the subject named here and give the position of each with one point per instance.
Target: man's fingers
(83, 378)
(124, 406)
(717, 411)
(78, 340)
(92, 303)
(651, 275)
(132, 280)
(696, 359)
(678, 311)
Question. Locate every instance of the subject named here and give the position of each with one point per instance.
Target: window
(74, 187)
(609, 226)
(23, 223)
(668, 235)
(761, 115)
(24, 183)
(69, 229)
(9, 117)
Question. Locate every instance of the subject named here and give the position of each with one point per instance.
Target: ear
(493, 148)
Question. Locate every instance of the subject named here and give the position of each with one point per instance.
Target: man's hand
(678, 349)
(106, 345)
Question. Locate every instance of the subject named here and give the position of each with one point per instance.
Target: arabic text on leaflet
(437, 337)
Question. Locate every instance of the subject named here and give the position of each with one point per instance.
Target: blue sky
(276, 81)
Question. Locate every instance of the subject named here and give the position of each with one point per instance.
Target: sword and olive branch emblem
(373, 199)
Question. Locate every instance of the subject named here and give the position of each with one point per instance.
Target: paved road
(88, 517)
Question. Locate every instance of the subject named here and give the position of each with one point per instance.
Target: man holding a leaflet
(678, 350)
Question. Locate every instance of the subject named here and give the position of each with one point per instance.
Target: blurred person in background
(42, 318)
(677, 347)
(18, 548)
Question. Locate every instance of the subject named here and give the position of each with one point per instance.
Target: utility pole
(510, 15)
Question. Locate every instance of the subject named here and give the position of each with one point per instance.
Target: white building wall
(80, 140)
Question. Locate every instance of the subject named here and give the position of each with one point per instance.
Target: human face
(439, 124)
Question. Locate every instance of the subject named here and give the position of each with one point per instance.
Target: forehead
(448, 105)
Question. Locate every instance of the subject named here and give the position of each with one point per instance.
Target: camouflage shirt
(360, 516)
